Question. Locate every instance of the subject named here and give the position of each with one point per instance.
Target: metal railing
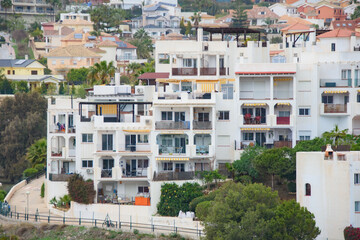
(10, 212)
(169, 176)
(335, 108)
(36, 176)
(184, 71)
(172, 150)
(207, 71)
(106, 173)
(202, 125)
(63, 177)
(172, 125)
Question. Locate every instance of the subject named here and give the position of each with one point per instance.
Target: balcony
(59, 177)
(223, 71)
(125, 58)
(335, 108)
(72, 130)
(330, 83)
(251, 120)
(207, 71)
(202, 149)
(202, 125)
(105, 148)
(280, 144)
(184, 71)
(72, 152)
(282, 120)
(164, 125)
(139, 173)
(169, 176)
(171, 150)
(106, 173)
(183, 96)
(143, 147)
(60, 128)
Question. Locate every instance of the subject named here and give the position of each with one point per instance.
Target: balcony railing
(143, 147)
(105, 148)
(106, 173)
(335, 108)
(282, 120)
(223, 71)
(136, 173)
(356, 48)
(207, 71)
(172, 125)
(184, 71)
(202, 125)
(72, 152)
(335, 82)
(59, 177)
(126, 58)
(202, 150)
(71, 130)
(280, 144)
(56, 153)
(257, 120)
(170, 150)
(169, 176)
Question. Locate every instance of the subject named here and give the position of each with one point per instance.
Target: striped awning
(336, 91)
(255, 129)
(283, 79)
(254, 104)
(283, 104)
(137, 130)
(171, 159)
(207, 87)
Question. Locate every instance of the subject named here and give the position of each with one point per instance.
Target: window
(189, 62)
(143, 189)
(13, 72)
(327, 99)
(34, 72)
(87, 137)
(357, 178)
(74, 62)
(284, 113)
(180, 167)
(304, 111)
(333, 47)
(224, 115)
(53, 101)
(168, 166)
(143, 138)
(307, 189)
(166, 115)
(164, 58)
(87, 163)
(345, 74)
(62, 62)
(8, 72)
(202, 167)
(143, 163)
(179, 116)
(304, 135)
(203, 117)
(53, 62)
(357, 206)
(248, 136)
(358, 97)
(227, 90)
(304, 138)
(107, 142)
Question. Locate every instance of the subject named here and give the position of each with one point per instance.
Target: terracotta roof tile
(340, 32)
(296, 27)
(72, 51)
(254, 13)
(107, 43)
(153, 75)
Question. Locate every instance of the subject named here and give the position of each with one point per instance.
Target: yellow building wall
(22, 71)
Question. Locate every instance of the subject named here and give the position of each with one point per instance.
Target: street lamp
(27, 201)
(119, 200)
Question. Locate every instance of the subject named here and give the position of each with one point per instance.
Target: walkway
(6, 51)
(35, 201)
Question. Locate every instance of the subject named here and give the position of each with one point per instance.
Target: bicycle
(108, 223)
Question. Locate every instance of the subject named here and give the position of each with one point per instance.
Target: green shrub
(81, 191)
(39, 167)
(2, 195)
(202, 209)
(30, 172)
(53, 201)
(42, 192)
(244, 179)
(175, 198)
(201, 199)
(291, 187)
(136, 231)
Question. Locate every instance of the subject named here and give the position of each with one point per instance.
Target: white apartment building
(328, 186)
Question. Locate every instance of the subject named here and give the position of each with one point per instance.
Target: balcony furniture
(257, 119)
(247, 118)
(142, 201)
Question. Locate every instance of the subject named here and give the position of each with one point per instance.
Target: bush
(291, 187)
(351, 233)
(198, 200)
(136, 231)
(81, 191)
(42, 192)
(2, 195)
(53, 201)
(175, 198)
(276, 40)
(202, 210)
(39, 167)
(30, 172)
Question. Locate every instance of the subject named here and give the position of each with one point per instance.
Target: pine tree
(240, 18)
(188, 28)
(61, 89)
(182, 26)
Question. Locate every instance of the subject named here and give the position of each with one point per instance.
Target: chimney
(117, 79)
(26, 57)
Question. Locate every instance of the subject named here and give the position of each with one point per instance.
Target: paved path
(6, 51)
(35, 201)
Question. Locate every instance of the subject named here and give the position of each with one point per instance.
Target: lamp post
(27, 201)
(119, 199)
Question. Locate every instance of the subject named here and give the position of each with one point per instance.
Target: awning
(171, 159)
(207, 87)
(283, 104)
(255, 129)
(172, 132)
(336, 92)
(282, 79)
(137, 130)
(254, 104)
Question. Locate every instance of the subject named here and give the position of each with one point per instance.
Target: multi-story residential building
(73, 15)
(30, 10)
(282, 9)
(327, 184)
(262, 17)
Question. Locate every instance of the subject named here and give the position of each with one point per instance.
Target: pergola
(231, 30)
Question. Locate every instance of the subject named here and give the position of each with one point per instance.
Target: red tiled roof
(296, 27)
(254, 13)
(339, 32)
(153, 75)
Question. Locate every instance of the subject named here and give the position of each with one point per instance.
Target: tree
(182, 26)
(55, 4)
(209, 176)
(43, 61)
(356, 13)
(6, 4)
(245, 165)
(107, 19)
(36, 153)
(240, 18)
(22, 86)
(61, 89)
(336, 135)
(5, 85)
(196, 18)
(22, 122)
(144, 44)
(81, 191)
(188, 28)
(252, 212)
(311, 145)
(78, 75)
(276, 161)
(37, 34)
(102, 72)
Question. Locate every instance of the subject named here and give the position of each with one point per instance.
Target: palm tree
(102, 72)
(6, 4)
(336, 135)
(36, 153)
(196, 18)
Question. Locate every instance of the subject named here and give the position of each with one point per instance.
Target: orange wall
(57, 64)
(327, 12)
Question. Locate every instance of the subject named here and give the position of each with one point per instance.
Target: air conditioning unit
(148, 121)
(140, 90)
(89, 171)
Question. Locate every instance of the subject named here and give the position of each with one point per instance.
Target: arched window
(307, 189)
